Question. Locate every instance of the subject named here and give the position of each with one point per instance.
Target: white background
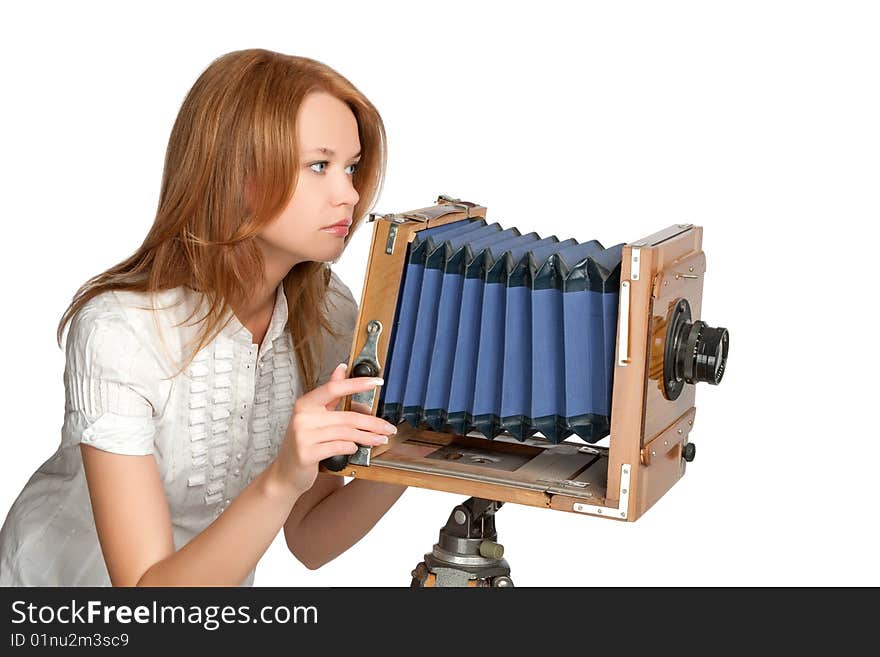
(756, 120)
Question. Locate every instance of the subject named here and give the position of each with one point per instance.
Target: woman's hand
(318, 431)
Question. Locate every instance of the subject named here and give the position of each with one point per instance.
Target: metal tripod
(467, 552)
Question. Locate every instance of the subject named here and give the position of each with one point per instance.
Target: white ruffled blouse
(211, 429)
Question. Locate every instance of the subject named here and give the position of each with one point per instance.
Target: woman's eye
(323, 166)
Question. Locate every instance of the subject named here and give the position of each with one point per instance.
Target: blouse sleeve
(109, 381)
(343, 318)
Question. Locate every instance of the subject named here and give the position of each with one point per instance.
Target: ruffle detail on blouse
(121, 434)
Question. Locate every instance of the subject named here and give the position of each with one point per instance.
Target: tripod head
(467, 552)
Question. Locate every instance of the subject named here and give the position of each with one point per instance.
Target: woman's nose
(345, 192)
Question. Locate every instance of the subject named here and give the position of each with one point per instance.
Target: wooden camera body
(651, 415)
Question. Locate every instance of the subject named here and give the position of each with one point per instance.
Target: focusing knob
(365, 368)
(689, 452)
(335, 463)
(338, 462)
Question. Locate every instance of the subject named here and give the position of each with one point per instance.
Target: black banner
(269, 618)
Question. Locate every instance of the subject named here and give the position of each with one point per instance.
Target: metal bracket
(392, 237)
(567, 487)
(634, 264)
(609, 511)
(360, 457)
(455, 202)
(623, 325)
(424, 215)
(370, 353)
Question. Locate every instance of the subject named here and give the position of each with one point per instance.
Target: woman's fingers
(342, 432)
(337, 375)
(329, 394)
(335, 448)
(356, 421)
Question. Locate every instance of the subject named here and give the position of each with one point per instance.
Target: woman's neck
(258, 324)
(256, 314)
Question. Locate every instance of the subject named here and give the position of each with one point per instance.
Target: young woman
(204, 372)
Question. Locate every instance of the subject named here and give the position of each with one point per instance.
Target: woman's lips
(340, 230)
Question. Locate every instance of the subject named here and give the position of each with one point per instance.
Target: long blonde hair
(236, 127)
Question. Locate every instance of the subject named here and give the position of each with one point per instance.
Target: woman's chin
(329, 253)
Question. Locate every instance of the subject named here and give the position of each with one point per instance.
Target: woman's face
(329, 148)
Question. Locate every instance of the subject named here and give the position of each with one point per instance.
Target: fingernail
(377, 382)
(382, 440)
(390, 428)
(342, 365)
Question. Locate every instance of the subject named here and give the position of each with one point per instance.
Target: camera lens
(702, 353)
(711, 354)
(695, 352)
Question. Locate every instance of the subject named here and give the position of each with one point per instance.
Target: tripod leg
(419, 576)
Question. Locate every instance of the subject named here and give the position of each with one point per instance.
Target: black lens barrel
(711, 356)
(701, 353)
(695, 352)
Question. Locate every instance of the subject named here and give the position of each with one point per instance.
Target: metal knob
(491, 550)
(340, 461)
(689, 452)
(365, 368)
(335, 463)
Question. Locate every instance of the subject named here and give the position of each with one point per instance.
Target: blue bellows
(497, 331)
